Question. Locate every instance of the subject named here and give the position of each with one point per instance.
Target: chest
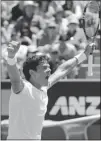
(38, 101)
(32, 101)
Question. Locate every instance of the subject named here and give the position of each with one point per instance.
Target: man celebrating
(28, 101)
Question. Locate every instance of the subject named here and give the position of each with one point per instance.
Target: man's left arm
(67, 66)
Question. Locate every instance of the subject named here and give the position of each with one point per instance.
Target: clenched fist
(13, 48)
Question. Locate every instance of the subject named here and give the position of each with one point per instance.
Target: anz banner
(67, 99)
(73, 99)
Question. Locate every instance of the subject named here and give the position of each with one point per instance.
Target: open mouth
(47, 77)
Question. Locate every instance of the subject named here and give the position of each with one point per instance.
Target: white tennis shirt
(26, 113)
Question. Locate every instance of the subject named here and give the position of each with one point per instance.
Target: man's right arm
(14, 74)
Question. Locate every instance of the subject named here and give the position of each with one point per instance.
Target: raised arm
(16, 81)
(67, 66)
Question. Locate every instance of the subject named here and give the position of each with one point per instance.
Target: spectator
(23, 23)
(58, 14)
(44, 8)
(54, 58)
(43, 5)
(36, 24)
(61, 21)
(26, 34)
(75, 34)
(5, 12)
(17, 11)
(45, 49)
(49, 35)
(82, 4)
(4, 72)
(58, 17)
(66, 51)
(6, 30)
(68, 5)
(30, 32)
(15, 36)
(72, 7)
(43, 25)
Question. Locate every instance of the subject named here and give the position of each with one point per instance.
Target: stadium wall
(67, 100)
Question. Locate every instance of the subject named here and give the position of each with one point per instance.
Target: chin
(44, 83)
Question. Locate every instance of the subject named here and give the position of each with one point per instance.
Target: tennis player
(28, 100)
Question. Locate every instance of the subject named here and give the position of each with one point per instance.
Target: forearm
(78, 59)
(67, 66)
(62, 71)
(12, 60)
(13, 73)
(16, 81)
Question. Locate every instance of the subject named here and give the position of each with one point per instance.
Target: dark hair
(40, 4)
(25, 30)
(65, 6)
(32, 63)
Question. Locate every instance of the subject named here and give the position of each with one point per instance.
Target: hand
(13, 48)
(89, 49)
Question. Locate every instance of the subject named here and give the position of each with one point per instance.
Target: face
(42, 74)
(33, 27)
(29, 10)
(5, 24)
(59, 16)
(3, 6)
(69, 4)
(51, 31)
(16, 36)
(62, 46)
(72, 27)
(25, 30)
(44, 5)
(54, 56)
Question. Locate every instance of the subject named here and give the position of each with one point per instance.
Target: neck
(50, 36)
(28, 18)
(38, 86)
(63, 46)
(21, 7)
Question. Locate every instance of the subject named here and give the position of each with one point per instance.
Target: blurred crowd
(52, 27)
